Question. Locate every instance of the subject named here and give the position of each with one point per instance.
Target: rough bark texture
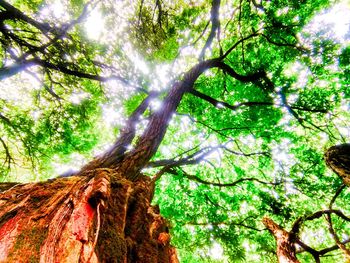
(97, 217)
(103, 214)
(338, 159)
(285, 242)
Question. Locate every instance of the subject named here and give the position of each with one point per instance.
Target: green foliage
(344, 64)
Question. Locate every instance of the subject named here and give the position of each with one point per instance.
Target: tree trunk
(96, 217)
(285, 242)
(103, 214)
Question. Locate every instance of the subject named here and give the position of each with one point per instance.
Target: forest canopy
(270, 93)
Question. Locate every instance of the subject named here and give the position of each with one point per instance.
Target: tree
(254, 94)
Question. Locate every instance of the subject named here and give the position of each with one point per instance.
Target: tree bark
(285, 242)
(103, 213)
(338, 159)
(96, 217)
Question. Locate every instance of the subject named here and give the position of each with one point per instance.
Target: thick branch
(219, 104)
(313, 252)
(13, 69)
(156, 128)
(335, 236)
(8, 71)
(127, 134)
(215, 26)
(244, 78)
(17, 14)
(297, 224)
(285, 242)
(332, 248)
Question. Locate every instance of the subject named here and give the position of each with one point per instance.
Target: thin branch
(8, 158)
(218, 104)
(193, 158)
(199, 156)
(49, 89)
(237, 43)
(218, 131)
(199, 180)
(240, 224)
(337, 193)
(258, 5)
(285, 44)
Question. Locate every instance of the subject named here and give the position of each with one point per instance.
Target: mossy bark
(95, 217)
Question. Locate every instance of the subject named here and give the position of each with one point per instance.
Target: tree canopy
(265, 93)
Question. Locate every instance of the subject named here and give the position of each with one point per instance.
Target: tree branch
(8, 71)
(8, 158)
(243, 78)
(198, 156)
(240, 224)
(199, 180)
(215, 26)
(156, 128)
(217, 103)
(341, 246)
(17, 14)
(316, 215)
(237, 43)
(127, 134)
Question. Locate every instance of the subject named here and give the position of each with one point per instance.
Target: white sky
(338, 18)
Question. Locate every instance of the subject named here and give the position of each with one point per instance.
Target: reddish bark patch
(96, 217)
(7, 233)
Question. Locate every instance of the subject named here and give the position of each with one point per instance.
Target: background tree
(251, 92)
